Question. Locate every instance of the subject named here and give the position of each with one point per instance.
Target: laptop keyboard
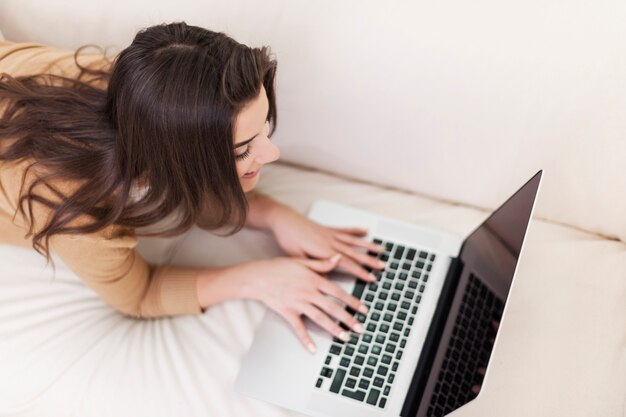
(364, 368)
(469, 349)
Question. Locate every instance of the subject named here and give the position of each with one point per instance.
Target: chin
(249, 185)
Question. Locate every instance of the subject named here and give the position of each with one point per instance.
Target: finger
(335, 310)
(351, 267)
(360, 257)
(358, 231)
(300, 329)
(334, 290)
(325, 322)
(355, 241)
(321, 265)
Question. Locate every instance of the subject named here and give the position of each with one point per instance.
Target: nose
(269, 152)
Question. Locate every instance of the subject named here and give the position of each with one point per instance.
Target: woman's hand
(293, 287)
(301, 237)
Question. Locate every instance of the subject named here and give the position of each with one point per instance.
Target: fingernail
(373, 277)
(344, 336)
(363, 309)
(311, 347)
(359, 328)
(335, 258)
(382, 264)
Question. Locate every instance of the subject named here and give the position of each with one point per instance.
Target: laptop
(430, 327)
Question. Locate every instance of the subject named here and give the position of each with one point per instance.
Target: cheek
(243, 167)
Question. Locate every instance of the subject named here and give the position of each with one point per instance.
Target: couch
(432, 113)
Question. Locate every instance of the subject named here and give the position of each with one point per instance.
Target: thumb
(322, 265)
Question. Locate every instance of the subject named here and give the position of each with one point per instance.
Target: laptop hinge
(433, 337)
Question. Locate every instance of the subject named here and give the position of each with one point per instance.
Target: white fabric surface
(473, 96)
(561, 350)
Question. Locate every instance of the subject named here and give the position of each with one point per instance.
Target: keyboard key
(403, 275)
(399, 355)
(390, 378)
(386, 390)
(363, 349)
(350, 383)
(405, 266)
(361, 317)
(398, 325)
(319, 382)
(386, 359)
(386, 285)
(388, 246)
(422, 287)
(384, 328)
(405, 305)
(377, 241)
(394, 337)
(409, 294)
(349, 350)
(429, 267)
(327, 361)
(432, 257)
(344, 362)
(399, 286)
(376, 349)
(416, 274)
(410, 255)
(392, 306)
(369, 297)
(380, 339)
(372, 398)
(357, 395)
(368, 372)
(403, 343)
(388, 317)
(355, 371)
(379, 306)
(382, 370)
(414, 309)
(358, 360)
(367, 337)
(398, 253)
(382, 402)
(371, 327)
(406, 331)
(425, 279)
(412, 284)
(393, 265)
(395, 296)
(423, 255)
(419, 264)
(390, 348)
(327, 372)
(335, 349)
(364, 383)
(357, 291)
(378, 382)
(401, 315)
(372, 361)
(410, 321)
(382, 295)
(394, 367)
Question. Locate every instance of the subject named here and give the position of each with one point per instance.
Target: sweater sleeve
(107, 263)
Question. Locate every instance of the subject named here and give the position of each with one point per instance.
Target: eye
(244, 155)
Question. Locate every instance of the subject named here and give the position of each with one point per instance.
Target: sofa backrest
(461, 101)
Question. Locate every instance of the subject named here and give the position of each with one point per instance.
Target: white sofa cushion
(460, 101)
(63, 351)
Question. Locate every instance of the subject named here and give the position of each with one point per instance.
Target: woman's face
(253, 148)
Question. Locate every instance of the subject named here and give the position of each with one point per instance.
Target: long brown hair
(166, 119)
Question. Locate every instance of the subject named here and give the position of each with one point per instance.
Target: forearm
(262, 210)
(217, 285)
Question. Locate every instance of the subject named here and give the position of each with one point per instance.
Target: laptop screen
(492, 250)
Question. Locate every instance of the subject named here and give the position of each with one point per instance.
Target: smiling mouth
(251, 173)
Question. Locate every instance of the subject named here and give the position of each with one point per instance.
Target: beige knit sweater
(106, 260)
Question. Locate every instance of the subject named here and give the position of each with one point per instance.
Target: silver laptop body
(443, 285)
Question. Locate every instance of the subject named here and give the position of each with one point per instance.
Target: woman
(172, 132)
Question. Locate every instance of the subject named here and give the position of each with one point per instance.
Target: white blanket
(561, 350)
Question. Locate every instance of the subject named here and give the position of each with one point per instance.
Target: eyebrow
(245, 142)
